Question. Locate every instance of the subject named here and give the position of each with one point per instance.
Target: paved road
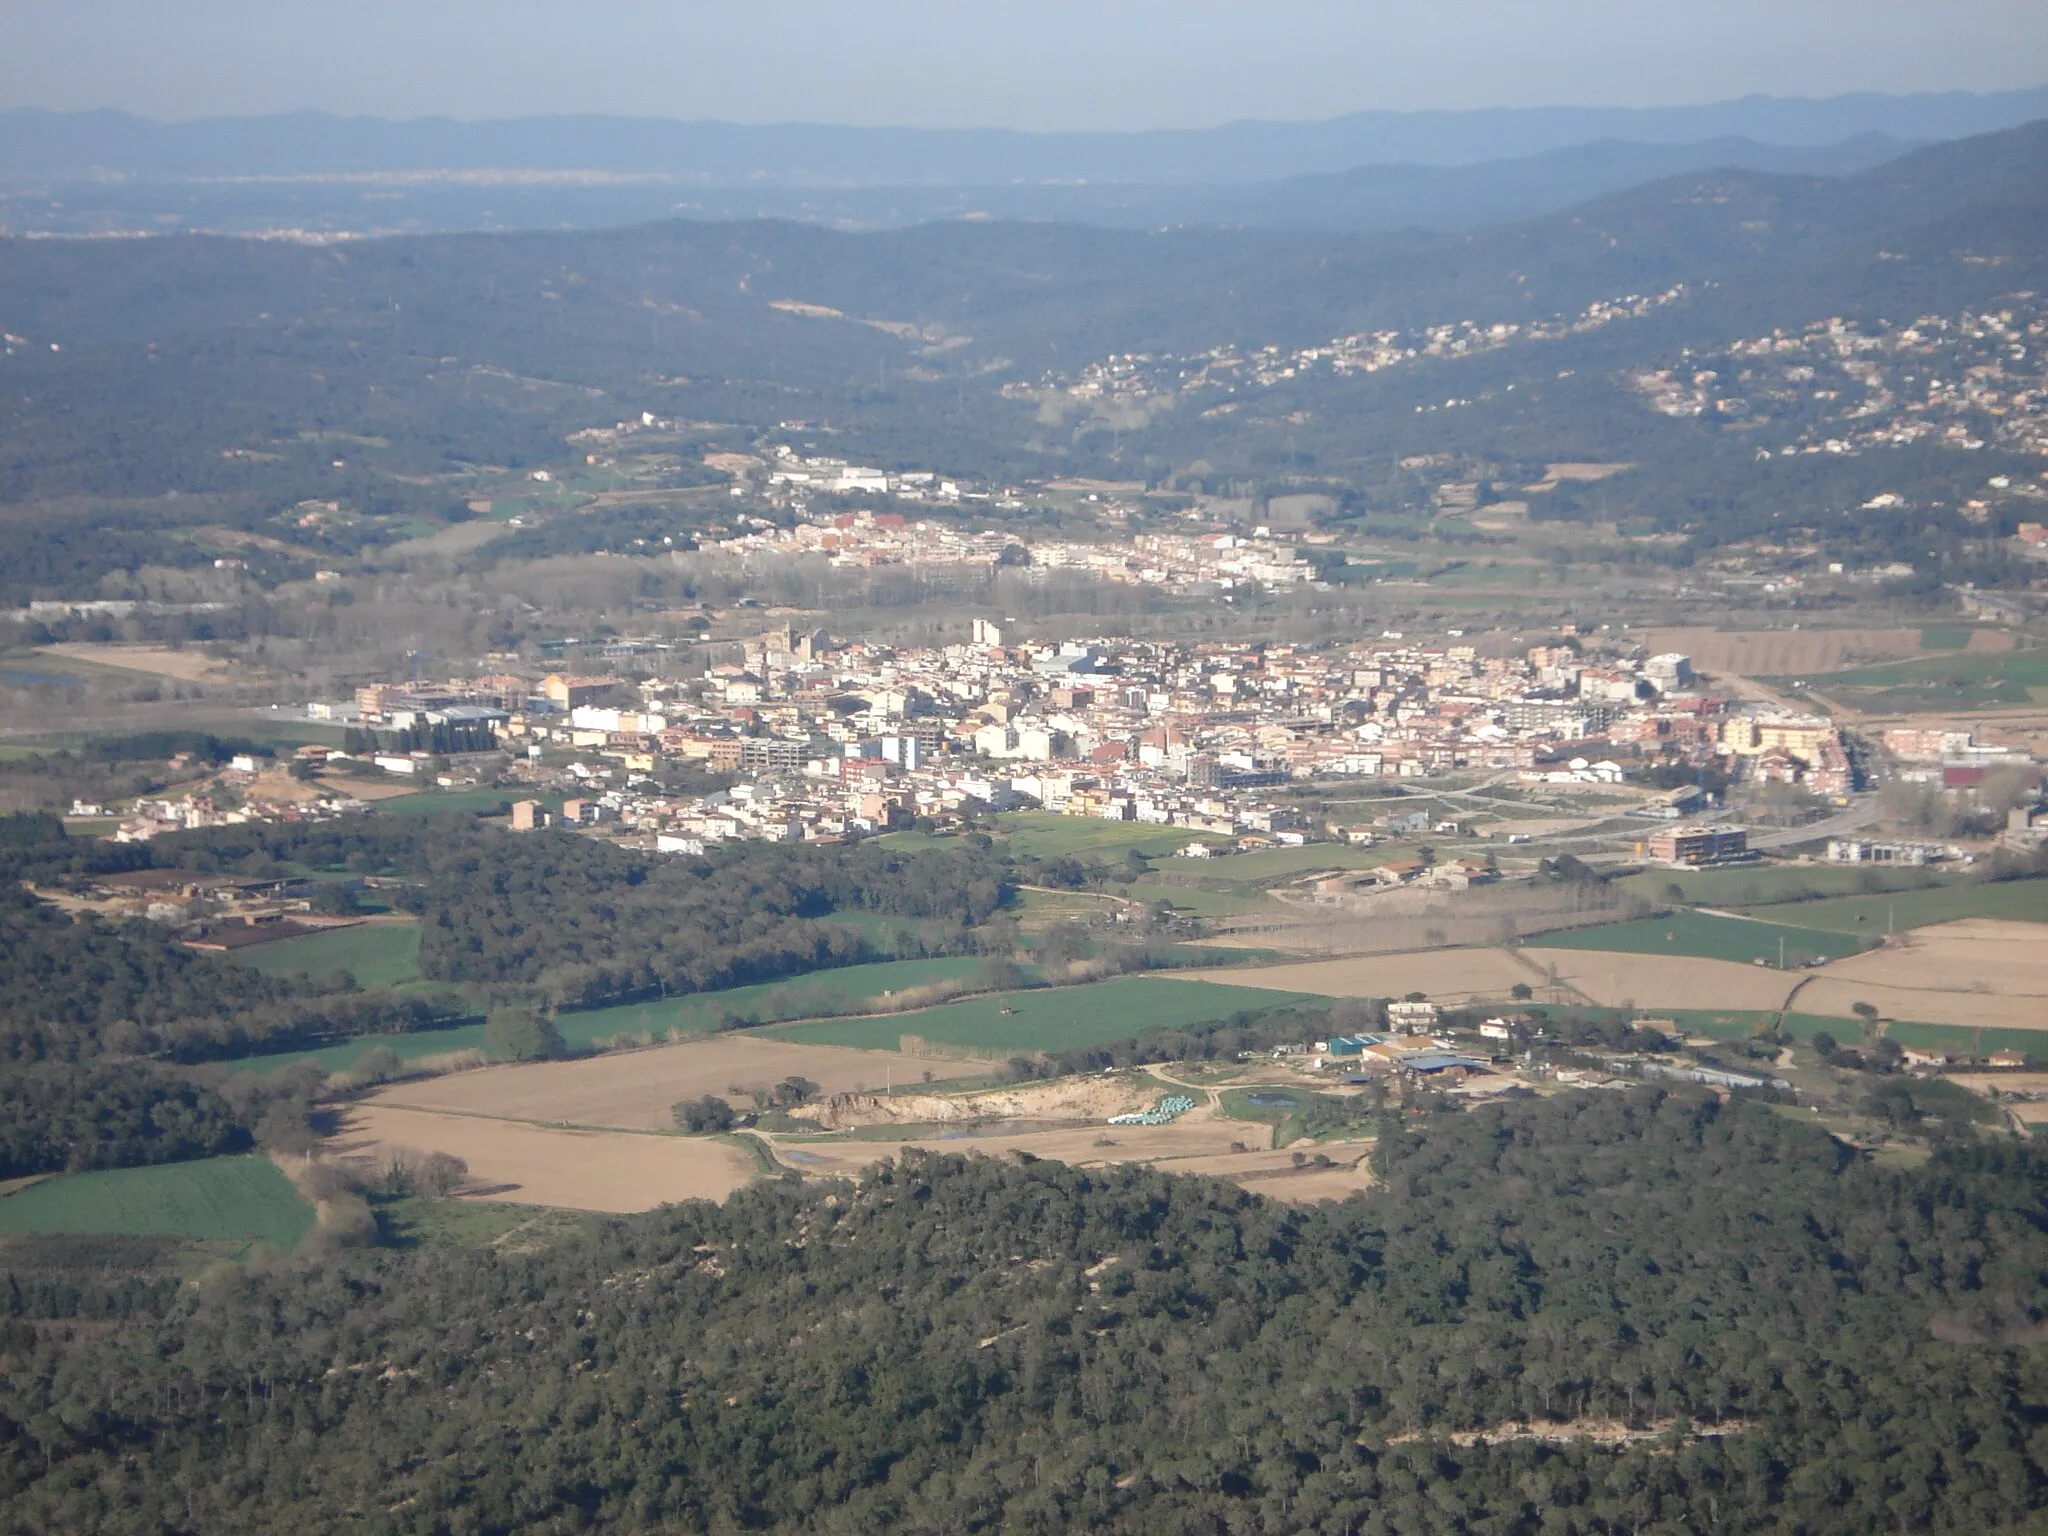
(1853, 819)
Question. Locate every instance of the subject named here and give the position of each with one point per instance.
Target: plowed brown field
(542, 1165)
(1443, 975)
(635, 1089)
(1783, 652)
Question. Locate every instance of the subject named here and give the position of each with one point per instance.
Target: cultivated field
(185, 666)
(634, 1089)
(847, 989)
(2016, 900)
(1743, 940)
(1050, 1019)
(1974, 955)
(543, 1165)
(376, 789)
(377, 954)
(1443, 975)
(221, 1198)
(1616, 980)
(1978, 973)
(1782, 652)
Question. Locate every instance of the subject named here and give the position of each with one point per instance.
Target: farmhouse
(1413, 1018)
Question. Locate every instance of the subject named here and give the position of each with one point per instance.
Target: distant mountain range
(1362, 200)
(225, 370)
(38, 145)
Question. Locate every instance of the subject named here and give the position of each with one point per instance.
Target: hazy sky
(1019, 63)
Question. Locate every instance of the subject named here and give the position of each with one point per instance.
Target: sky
(1037, 64)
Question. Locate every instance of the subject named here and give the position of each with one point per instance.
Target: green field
(2031, 1042)
(418, 1221)
(1040, 834)
(1767, 884)
(428, 802)
(233, 1198)
(376, 954)
(847, 990)
(2018, 900)
(1278, 863)
(1203, 900)
(1713, 938)
(1945, 682)
(1946, 637)
(1056, 1018)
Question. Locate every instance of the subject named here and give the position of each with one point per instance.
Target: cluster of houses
(835, 738)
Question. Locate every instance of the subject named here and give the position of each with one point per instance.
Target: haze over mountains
(146, 368)
(108, 172)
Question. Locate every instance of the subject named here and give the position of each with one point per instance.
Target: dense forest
(584, 923)
(554, 918)
(58, 1116)
(72, 990)
(1801, 1341)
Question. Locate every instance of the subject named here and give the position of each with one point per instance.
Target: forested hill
(1771, 1335)
(230, 369)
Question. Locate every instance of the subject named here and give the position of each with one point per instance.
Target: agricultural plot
(1946, 682)
(584, 1170)
(1043, 835)
(1442, 975)
(2011, 900)
(486, 802)
(1702, 935)
(1204, 900)
(633, 1090)
(1666, 983)
(1783, 652)
(1764, 886)
(236, 1199)
(376, 954)
(850, 989)
(1056, 1018)
(1978, 973)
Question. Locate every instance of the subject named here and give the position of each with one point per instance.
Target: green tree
(702, 1116)
(523, 1034)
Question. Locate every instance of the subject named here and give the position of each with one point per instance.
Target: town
(809, 738)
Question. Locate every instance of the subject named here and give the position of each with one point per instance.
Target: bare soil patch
(1978, 972)
(1610, 1434)
(1965, 1010)
(1074, 1098)
(1189, 1145)
(1783, 652)
(160, 661)
(635, 1089)
(1614, 980)
(1991, 1084)
(1081, 1145)
(367, 789)
(541, 1165)
(1444, 975)
(1974, 954)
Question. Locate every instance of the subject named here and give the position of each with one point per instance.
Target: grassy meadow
(1701, 934)
(222, 1198)
(1056, 1018)
(376, 954)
